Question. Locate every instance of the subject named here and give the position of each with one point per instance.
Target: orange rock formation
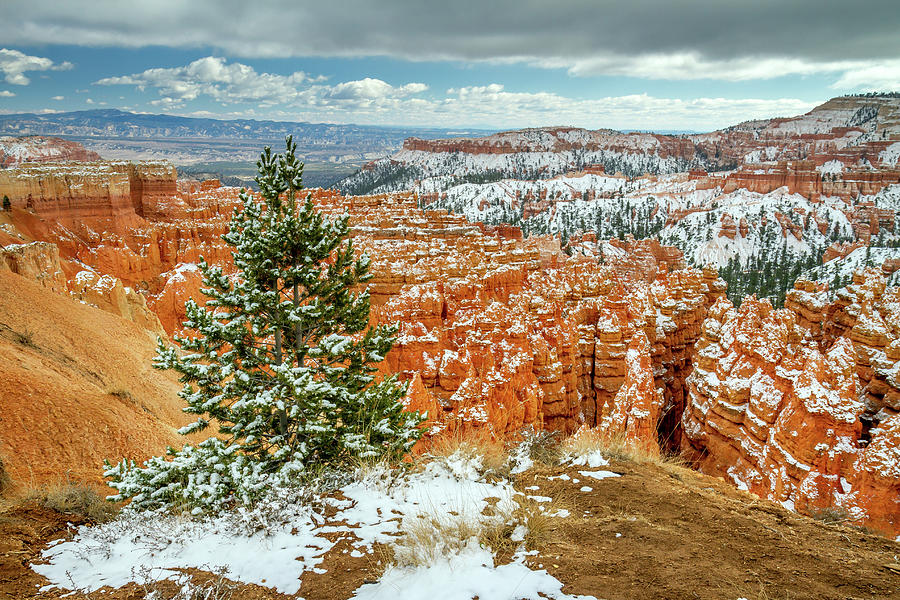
(802, 405)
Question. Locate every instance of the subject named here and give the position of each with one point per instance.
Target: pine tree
(7, 205)
(281, 360)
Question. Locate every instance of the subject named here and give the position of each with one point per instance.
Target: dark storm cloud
(562, 33)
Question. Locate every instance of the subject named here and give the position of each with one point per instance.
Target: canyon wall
(499, 331)
(104, 196)
(802, 405)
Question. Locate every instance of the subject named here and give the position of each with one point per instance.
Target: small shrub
(74, 498)
(123, 395)
(830, 515)
(543, 446)
(25, 338)
(838, 515)
(154, 588)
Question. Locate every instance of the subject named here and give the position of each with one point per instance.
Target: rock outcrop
(800, 405)
(860, 132)
(103, 196)
(38, 261)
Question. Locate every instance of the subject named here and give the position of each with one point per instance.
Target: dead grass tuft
(427, 539)
(472, 444)
(73, 498)
(584, 441)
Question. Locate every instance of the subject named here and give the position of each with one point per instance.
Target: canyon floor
(657, 531)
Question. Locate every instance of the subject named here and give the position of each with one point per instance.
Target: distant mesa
(39, 149)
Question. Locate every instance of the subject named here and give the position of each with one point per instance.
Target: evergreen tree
(282, 360)
(7, 205)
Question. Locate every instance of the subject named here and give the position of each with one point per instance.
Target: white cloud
(14, 64)
(372, 89)
(58, 98)
(491, 106)
(225, 83)
(213, 77)
(878, 76)
(692, 65)
(868, 74)
(6, 94)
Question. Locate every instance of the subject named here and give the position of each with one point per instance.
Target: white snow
(275, 543)
(832, 167)
(593, 460)
(463, 576)
(890, 155)
(599, 474)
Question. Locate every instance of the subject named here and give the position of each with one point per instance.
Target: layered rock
(800, 405)
(107, 293)
(38, 261)
(107, 196)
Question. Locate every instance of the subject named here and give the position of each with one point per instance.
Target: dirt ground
(655, 532)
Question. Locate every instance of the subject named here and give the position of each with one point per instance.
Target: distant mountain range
(226, 149)
(117, 123)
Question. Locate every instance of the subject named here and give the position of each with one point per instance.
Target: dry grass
(494, 453)
(25, 337)
(5, 479)
(535, 517)
(427, 539)
(544, 447)
(72, 498)
(585, 441)
(831, 515)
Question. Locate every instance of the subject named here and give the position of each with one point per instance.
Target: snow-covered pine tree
(281, 359)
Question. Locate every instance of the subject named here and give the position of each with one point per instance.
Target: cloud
(372, 89)
(492, 106)
(232, 83)
(881, 75)
(6, 94)
(213, 77)
(14, 64)
(58, 98)
(664, 39)
(244, 92)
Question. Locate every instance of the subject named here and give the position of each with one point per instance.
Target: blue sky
(647, 64)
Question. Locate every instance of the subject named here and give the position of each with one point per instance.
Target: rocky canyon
(504, 325)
